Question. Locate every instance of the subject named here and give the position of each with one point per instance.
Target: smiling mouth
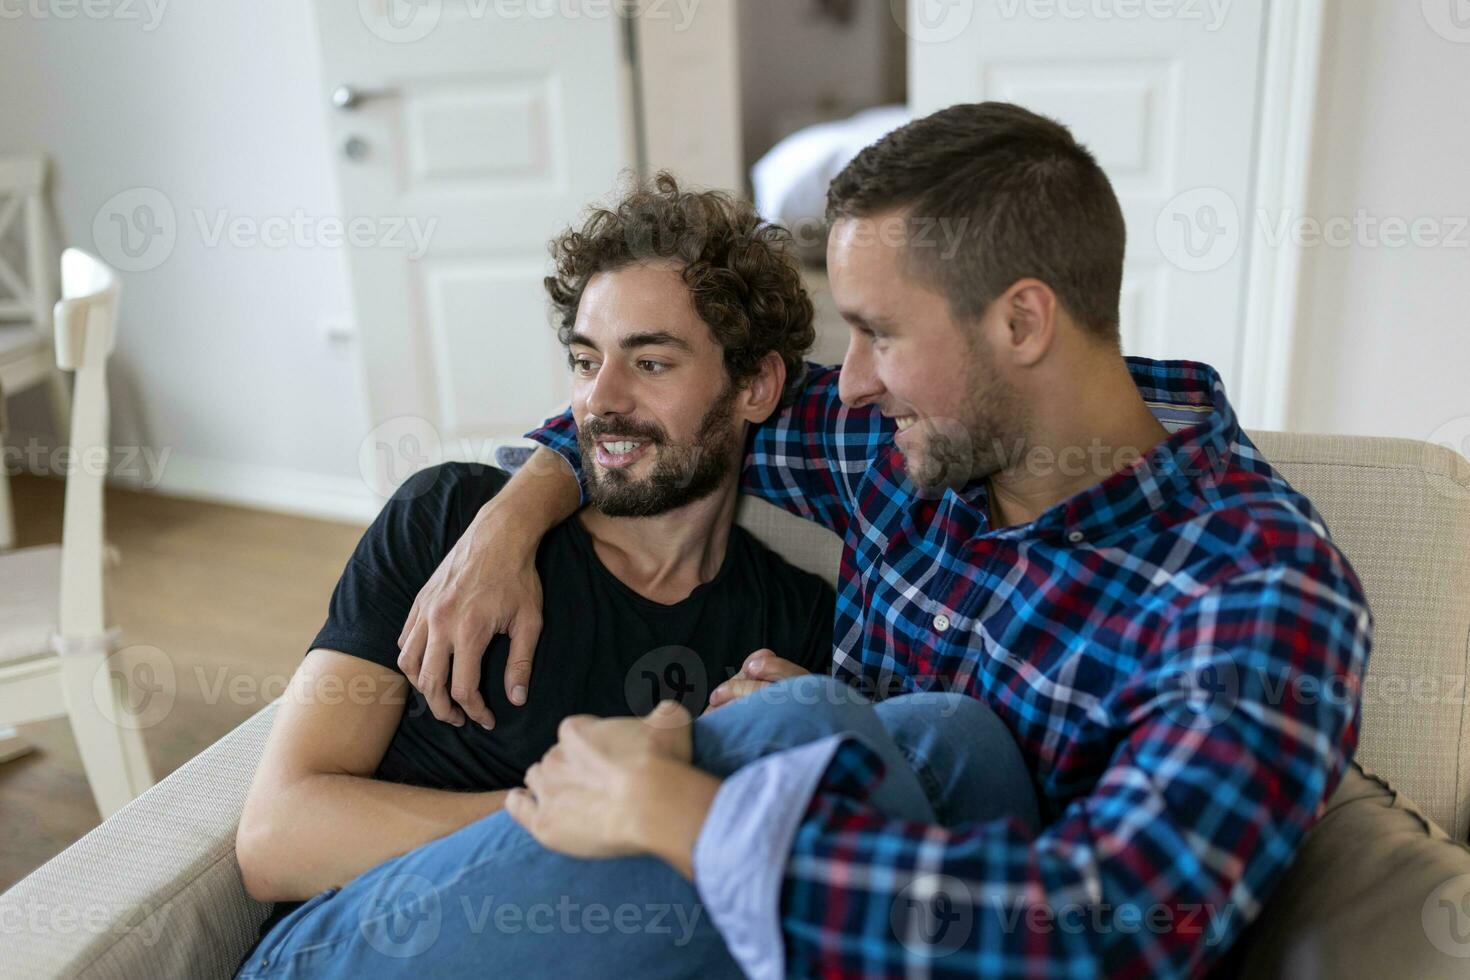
(904, 421)
(615, 453)
(620, 447)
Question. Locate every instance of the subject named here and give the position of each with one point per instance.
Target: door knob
(348, 97)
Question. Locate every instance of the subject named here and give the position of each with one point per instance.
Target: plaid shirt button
(941, 622)
(1075, 537)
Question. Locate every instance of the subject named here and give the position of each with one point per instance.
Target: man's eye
(582, 365)
(653, 367)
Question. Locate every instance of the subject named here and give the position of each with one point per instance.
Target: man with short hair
(1088, 544)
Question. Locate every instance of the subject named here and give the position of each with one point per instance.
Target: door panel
(492, 126)
(1167, 104)
(489, 380)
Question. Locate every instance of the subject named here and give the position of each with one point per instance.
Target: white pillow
(791, 180)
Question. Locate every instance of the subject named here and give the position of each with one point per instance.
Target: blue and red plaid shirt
(1178, 652)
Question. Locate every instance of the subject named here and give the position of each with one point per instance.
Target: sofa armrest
(155, 891)
(1377, 890)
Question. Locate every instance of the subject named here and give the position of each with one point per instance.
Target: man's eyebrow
(864, 324)
(649, 338)
(655, 338)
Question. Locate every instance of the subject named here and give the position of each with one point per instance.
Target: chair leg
(7, 513)
(60, 406)
(112, 752)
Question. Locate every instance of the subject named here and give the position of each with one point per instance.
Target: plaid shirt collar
(1188, 399)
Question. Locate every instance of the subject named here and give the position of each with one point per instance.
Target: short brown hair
(1028, 199)
(744, 280)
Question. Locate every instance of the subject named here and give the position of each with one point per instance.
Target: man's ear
(1030, 309)
(762, 392)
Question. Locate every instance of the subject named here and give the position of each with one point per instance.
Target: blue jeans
(489, 899)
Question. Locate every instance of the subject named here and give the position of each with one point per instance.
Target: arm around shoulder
(487, 585)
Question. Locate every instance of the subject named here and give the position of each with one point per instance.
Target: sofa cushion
(810, 547)
(1377, 890)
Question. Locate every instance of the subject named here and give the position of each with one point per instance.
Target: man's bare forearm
(540, 495)
(673, 806)
(325, 829)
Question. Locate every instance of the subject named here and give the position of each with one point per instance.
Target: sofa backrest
(1400, 510)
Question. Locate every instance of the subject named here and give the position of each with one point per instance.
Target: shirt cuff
(559, 434)
(740, 856)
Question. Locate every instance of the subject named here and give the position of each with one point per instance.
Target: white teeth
(904, 422)
(621, 448)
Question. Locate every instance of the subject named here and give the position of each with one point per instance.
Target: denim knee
(814, 705)
(964, 755)
(780, 716)
(924, 712)
(799, 711)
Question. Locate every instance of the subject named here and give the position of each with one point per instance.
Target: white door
(1165, 94)
(475, 130)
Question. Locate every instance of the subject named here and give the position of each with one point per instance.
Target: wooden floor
(231, 596)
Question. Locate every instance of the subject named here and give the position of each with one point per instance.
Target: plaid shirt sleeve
(559, 434)
(1233, 736)
(810, 457)
(806, 459)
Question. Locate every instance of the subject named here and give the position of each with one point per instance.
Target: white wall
(222, 361)
(221, 357)
(1384, 341)
(690, 95)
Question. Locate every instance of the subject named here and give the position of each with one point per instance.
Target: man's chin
(631, 481)
(618, 492)
(933, 473)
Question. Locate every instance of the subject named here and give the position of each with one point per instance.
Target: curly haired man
(671, 358)
(685, 323)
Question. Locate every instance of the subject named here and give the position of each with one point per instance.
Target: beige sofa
(1379, 889)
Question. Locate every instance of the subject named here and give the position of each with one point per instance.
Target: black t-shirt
(604, 649)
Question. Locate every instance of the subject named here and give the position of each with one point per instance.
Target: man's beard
(987, 440)
(682, 472)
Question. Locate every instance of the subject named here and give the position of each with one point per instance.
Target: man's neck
(665, 558)
(1089, 437)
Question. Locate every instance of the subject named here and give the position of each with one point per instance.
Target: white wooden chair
(26, 297)
(55, 645)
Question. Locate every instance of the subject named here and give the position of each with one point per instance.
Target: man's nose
(612, 393)
(858, 383)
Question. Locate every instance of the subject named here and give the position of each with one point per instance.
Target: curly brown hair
(741, 271)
